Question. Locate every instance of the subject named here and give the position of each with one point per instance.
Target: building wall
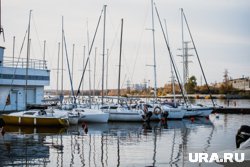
(242, 83)
(17, 97)
(35, 76)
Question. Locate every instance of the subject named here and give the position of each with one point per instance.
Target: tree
(191, 85)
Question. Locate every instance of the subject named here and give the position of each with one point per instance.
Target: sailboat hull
(34, 121)
(91, 115)
(125, 116)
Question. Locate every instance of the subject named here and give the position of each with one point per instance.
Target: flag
(8, 100)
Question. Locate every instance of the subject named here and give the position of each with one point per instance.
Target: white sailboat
(91, 115)
(203, 110)
(123, 113)
(170, 112)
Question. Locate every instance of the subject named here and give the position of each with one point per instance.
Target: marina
(82, 109)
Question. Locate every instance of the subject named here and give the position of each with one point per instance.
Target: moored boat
(34, 118)
(205, 111)
(174, 112)
(122, 113)
(91, 115)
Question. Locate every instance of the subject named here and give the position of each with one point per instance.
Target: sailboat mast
(61, 99)
(107, 71)
(103, 50)
(94, 72)
(183, 53)
(73, 56)
(171, 67)
(83, 62)
(119, 74)
(170, 55)
(198, 57)
(27, 65)
(89, 67)
(57, 72)
(69, 72)
(153, 33)
(91, 46)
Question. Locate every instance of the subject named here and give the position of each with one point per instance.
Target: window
(104, 107)
(29, 113)
(23, 77)
(113, 107)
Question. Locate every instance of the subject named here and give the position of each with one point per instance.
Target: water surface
(120, 144)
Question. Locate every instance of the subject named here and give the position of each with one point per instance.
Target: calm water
(120, 144)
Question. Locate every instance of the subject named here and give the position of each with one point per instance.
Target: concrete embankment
(233, 110)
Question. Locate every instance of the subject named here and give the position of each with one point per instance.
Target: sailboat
(86, 114)
(203, 110)
(34, 117)
(158, 109)
(190, 110)
(120, 112)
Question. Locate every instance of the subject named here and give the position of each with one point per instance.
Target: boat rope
(38, 39)
(196, 52)
(86, 63)
(170, 54)
(70, 76)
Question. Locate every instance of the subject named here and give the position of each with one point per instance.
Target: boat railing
(22, 63)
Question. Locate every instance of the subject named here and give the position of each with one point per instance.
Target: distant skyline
(221, 32)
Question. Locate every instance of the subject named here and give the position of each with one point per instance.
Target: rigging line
(35, 27)
(17, 64)
(114, 40)
(196, 52)
(110, 18)
(139, 42)
(170, 53)
(70, 77)
(126, 65)
(79, 87)
(124, 81)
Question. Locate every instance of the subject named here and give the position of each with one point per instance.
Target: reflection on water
(119, 144)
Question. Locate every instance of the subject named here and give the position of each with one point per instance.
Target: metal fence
(22, 63)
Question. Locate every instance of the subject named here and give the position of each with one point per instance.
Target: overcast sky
(220, 28)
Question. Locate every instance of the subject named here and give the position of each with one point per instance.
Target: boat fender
(85, 127)
(149, 114)
(165, 114)
(2, 131)
(157, 110)
(145, 109)
(2, 123)
(19, 120)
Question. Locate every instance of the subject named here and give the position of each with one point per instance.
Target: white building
(13, 82)
(241, 83)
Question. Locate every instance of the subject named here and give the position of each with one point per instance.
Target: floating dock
(232, 110)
